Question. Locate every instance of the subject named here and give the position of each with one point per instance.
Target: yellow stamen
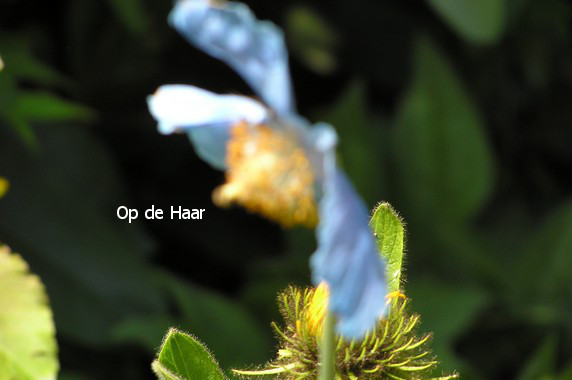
(317, 309)
(395, 294)
(269, 173)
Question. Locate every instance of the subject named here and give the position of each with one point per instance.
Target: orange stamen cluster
(269, 173)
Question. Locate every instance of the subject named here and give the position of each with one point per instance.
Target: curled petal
(178, 107)
(347, 258)
(205, 116)
(255, 49)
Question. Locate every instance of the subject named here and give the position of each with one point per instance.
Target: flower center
(269, 173)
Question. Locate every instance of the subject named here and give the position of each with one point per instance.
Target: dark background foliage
(458, 113)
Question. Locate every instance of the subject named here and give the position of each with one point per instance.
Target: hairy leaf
(183, 357)
(389, 232)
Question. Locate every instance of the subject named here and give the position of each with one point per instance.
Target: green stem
(328, 350)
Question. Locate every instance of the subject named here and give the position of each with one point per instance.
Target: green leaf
(28, 349)
(46, 107)
(162, 372)
(447, 311)
(19, 62)
(183, 357)
(312, 39)
(360, 133)
(80, 191)
(548, 259)
(566, 373)
(388, 230)
(443, 158)
(479, 21)
(131, 13)
(543, 362)
(221, 323)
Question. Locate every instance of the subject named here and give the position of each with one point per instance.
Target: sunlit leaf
(183, 357)
(220, 323)
(28, 349)
(388, 229)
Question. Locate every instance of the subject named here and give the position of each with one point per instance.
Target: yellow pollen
(317, 309)
(269, 173)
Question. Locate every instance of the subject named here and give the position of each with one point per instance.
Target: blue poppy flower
(276, 163)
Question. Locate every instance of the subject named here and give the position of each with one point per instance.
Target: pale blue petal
(179, 107)
(205, 116)
(347, 258)
(210, 143)
(255, 49)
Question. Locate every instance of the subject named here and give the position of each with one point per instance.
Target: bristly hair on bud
(392, 350)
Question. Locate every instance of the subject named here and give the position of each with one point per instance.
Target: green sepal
(388, 230)
(183, 357)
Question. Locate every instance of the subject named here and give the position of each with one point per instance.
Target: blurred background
(458, 113)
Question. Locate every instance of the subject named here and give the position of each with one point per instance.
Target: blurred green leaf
(312, 39)
(20, 108)
(544, 268)
(480, 21)
(24, 130)
(566, 373)
(132, 14)
(221, 323)
(28, 349)
(447, 310)
(388, 230)
(182, 357)
(360, 137)
(443, 158)
(9, 94)
(20, 63)
(542, 363)
(61, 211)
(47, 107)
